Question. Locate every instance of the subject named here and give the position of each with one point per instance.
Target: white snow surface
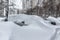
(36, 29)
(6, 30)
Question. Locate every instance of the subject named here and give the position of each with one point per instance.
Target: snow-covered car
(53, 19)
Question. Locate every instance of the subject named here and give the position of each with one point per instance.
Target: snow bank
(27, 18)
(31, 32)
(2, 19)
(33, 19)
(52, 19)
(11, 31)
(58, 18)
(37, 28)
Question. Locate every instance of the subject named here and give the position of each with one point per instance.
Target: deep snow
(36, 29)
(6, 30)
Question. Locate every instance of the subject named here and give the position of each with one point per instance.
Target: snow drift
(6, 30)
(36, 29)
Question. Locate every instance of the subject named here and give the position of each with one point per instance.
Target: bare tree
(7, 8)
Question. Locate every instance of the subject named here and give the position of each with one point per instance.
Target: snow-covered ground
(6, 30)
(36, 29)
